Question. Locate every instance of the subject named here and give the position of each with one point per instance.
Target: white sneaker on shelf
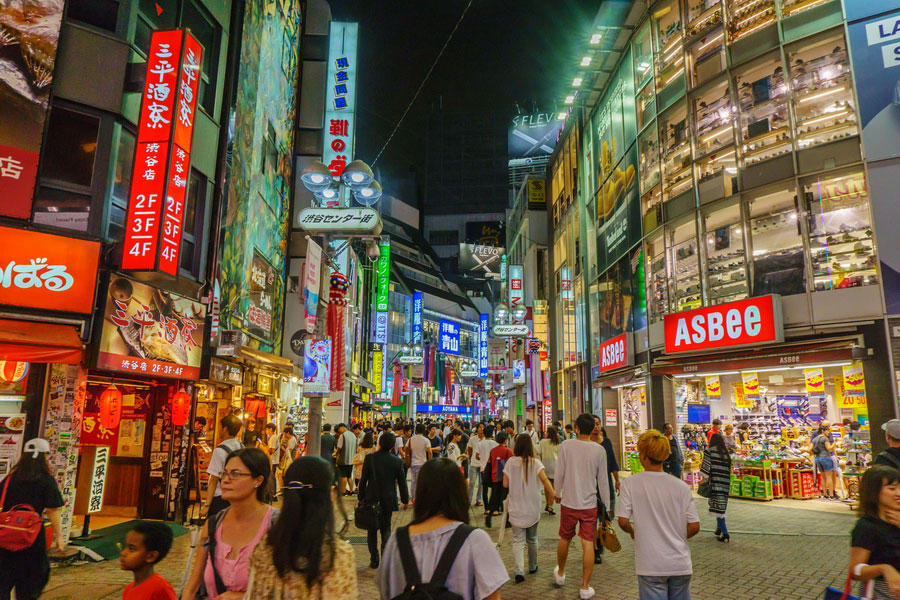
(560, 579)
(585, 594)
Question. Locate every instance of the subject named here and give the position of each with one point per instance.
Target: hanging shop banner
(843, 400)
(151, 331)
(750, 383)
(740, 399)
(519, 372)
(616, 353)
(383, 275)
(730, 325)
(162, 160)
(815, 381)
(381, 328)
(854, 379)
(417, 305)
(53, 272)
(317, 366)
(483, 326)
(516, 292)
(713, 387)
(312, 282)
(98, 479)
(29, 31)
(496, 356)
(340, 102)
(449, 336)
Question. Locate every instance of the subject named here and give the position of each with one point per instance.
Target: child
(145, 545)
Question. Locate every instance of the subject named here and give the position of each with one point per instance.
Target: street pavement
(777, 552)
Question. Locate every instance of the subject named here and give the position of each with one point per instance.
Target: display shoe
(724, 538)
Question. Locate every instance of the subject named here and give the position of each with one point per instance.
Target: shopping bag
(607, 536)
(836, 594)
(703, 489)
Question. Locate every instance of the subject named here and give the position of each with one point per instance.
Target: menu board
(12, 434)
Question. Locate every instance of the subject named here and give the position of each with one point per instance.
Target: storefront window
(684, 263)
(676, 151)
(823, 90)
(726, 271)
(749, 16)
(713, 117)
(703, 16)
(120, 183)
(840, 232)
(642, 48)
(648, 159)
(707, 54)
(645, 104)
(762, 96)
(669, 54)
(777, 241)
(657, 290)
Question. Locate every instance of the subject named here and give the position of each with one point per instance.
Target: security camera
(372, 251)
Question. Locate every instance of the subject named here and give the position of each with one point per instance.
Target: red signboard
(743, 323)
(18, 169)
(40, 270)
(616, 353)
(162, 158)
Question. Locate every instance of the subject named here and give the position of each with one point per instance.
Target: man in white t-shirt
(475, 483)
(580, 476)
(231, 429)
(420, 449)
(483, 455)
(524, 484)
(533, 434)
(664, 515)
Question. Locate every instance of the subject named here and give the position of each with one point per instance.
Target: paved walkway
(776, 553)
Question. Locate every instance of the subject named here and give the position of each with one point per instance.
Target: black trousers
(498, 495)
(486, 486)
(27, 571)
(384, 525)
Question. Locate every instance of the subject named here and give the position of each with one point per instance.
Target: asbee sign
(744, 323)
(616, 353)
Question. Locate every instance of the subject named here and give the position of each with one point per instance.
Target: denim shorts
(825, 463)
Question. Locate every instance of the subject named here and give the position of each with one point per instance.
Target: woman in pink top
(238, 528)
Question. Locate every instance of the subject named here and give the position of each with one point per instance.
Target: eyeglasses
(234, 474)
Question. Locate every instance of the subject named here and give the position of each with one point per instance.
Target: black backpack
(434, 589)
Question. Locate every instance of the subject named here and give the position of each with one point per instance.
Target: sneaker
(560, 580)
(532, 571)
(520, 579)
(584, 594)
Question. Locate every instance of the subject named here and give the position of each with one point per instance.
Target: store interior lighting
(689, 375)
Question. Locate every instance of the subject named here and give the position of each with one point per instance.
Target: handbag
(607, 536)
(367, 513)
(704, 489)
(19, 526)
(836, 594)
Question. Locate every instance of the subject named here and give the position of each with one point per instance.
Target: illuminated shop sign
(747, 322)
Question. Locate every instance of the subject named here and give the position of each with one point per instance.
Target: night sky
(503, 52)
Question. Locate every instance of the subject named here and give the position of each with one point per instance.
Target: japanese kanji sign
(150, 331)
(383, 275)
(98, 479)
(340, 220)
(162, 160)
(340, 103)
(258, 318)
(40, 270)
(449, 336)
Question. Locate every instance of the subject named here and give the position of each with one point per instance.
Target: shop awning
(360, 381)
(265, 359)
(32, 341)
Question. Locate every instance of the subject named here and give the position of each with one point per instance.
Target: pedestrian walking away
(382, 475)
(548, 450)
(716, 470)
(476, 572)
(523, 476)
(673, 464)
(658, 512)
(475, 482)
(231, 429)
(498, 457)
(420, 450)
(483, 454)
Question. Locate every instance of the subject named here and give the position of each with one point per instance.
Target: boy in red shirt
(498, 457)
(145, 545)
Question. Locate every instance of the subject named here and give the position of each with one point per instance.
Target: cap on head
(892, 428)
(36, 446)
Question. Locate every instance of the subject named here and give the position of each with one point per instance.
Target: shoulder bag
(367, 514)
(19, 526)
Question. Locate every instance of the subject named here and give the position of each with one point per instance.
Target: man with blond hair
(658, 512)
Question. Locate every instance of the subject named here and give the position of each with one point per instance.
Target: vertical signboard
(449, 337)
(383, 273)
(483, 324)
(98, 479)
(317, 366)
(417, 318)
(516, 292)
(258, 318)
(162, 161)
(311, 284)
(340, 102)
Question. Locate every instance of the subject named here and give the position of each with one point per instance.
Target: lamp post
(330, 190)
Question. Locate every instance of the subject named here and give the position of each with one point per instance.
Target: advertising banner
(480, 260)
(483, 325)
(815, 381)
(383, 274)
(417, 305)
(860, 9)
(29, 34)
(151, 331)
(713, 387)
(843, 400)
(485, 233)
(312, 283)
(496, 356)
(854, 380)
(519, 372)
(740, 399)
(340, 102)
(449, 337)
(750, 383)
(536, 195)
(40, 270)
(258, 318)
(377, 369)
(317, 366)
(613, 129)
(532, 135)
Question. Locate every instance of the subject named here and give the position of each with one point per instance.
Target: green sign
(519, 408)
(383, 273)
(386, 407)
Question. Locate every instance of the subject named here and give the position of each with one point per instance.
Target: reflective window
(777, 241)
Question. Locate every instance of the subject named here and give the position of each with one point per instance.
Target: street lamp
(501, 313)
(519, 313)
(316, 177)
(357, 176)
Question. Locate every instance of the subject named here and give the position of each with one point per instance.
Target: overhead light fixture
(561, 116)
(690, 375)
(576, 82)
(643, 66)
(586, 61)
(595, 39)
(569, 100)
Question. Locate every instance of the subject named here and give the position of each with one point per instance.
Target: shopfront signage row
(443, 409)
(162, 160)
(735, 324)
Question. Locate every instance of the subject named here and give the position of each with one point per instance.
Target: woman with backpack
(23, 564)
(222, 564)
(450, 559)
(299, 560)
(716, 469)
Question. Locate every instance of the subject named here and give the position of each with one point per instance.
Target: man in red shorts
(580, 477)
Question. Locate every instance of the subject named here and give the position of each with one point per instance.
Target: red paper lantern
(181, 408)
(110, 407)
(12, 371)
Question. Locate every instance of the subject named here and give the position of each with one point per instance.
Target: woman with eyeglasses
(222, 564)
(303, 555)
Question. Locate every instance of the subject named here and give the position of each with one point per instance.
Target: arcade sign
(510, 330)
(415, 359)
(340, 220)
(616, 353)
(735, 324)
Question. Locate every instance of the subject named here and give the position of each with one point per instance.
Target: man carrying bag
(382, 475)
